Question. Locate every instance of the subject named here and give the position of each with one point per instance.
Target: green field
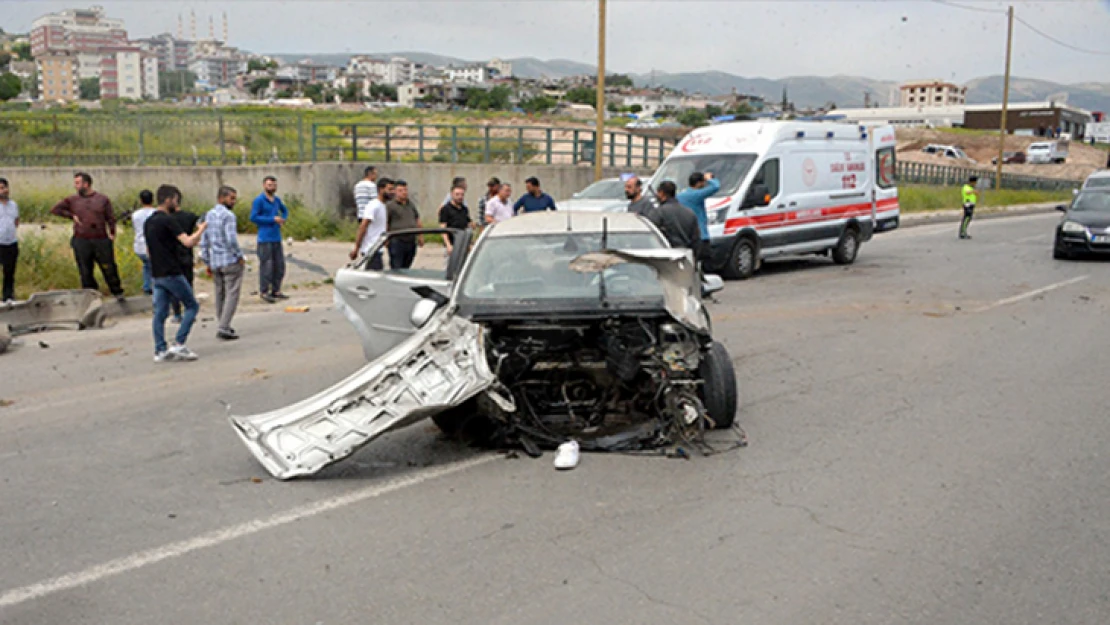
(918, 198)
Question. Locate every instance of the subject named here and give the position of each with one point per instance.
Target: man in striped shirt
(219, 250)
(366, 189)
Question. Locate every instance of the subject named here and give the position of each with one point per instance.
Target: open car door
(379, 303)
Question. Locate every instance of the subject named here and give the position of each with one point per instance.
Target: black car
(1085, 229)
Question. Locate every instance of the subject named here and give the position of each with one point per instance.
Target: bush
(46, 264)
(913, 198)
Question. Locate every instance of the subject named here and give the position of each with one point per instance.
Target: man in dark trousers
(454, 215)
(9, 241)
(970, 199)
(269, 213)
(678, 223)
(164, 237)
(94, 234)
(402, 215)
(188, 222)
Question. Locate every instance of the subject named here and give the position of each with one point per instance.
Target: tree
(582, 95)
(10, 86)
(31, 85)
(22, 51)
(261, 65)
(693, 118)
(351, 93)
(258, 86)
(383, 92)
(89, 89)
(619, 80)
(5, 59)
(496, 99)
(176, 83)
(538, 104)
(635, 109)
(315, 93)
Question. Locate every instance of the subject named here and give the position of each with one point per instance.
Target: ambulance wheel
(846, 249)
(742, 261)
(719, 392)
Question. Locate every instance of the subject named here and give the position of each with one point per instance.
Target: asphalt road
(928, 445)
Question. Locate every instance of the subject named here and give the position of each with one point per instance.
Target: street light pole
(1005, 99)
(599, 136)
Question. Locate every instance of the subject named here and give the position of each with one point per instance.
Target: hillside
(983, 147)
(1090, 96)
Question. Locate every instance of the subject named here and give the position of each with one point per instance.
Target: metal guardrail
(927, 173)
(431, 143)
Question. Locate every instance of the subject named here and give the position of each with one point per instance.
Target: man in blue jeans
(268, 212)
(165, 241)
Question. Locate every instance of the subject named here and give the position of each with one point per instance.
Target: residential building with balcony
(80, 31)
(932, 93)
(58, 76)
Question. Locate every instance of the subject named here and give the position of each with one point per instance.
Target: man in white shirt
(138, 218)
(500, 206)
(373, 221)
(9, 241)
(366, 189)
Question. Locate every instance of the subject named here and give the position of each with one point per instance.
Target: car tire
(847, 248)
(743, 260)
(1060, 254)
(719, 393)
(464, 422)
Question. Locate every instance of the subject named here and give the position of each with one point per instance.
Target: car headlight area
(1074, 227)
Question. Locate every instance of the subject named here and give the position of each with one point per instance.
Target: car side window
(769, 176)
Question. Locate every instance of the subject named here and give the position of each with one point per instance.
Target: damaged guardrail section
(440, 366)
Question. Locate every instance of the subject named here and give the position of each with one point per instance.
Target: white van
(1048, 152)
(788, 188)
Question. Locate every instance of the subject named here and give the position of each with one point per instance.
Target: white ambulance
(789, 188)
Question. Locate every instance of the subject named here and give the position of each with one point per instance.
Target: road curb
(954, 216)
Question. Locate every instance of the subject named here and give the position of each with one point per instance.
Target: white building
(408, 94)
(121, 73)
(904, 116)
(469, 74)
(652, 102)
(79, 31)
(216, 65)
(932, 93)
(504, 69)
(151, 64)
(307, 72)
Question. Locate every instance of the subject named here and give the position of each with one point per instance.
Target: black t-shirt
(161, 231)
(188, 222)
(457, 217)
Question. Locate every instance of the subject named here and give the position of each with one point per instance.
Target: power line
(969, 8)
(1058, 41)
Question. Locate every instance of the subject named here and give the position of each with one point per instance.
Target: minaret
(211, 28)
(180, 27)
(193, 24)
(225, 28)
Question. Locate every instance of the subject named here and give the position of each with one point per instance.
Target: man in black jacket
(678, 224)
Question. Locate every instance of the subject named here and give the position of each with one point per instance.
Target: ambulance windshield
(730, 169)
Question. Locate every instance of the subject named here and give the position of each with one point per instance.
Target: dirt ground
(1082, 159)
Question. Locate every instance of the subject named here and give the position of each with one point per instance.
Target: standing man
(94, 233)
(220, 252)
(372, 225)
(638, 203)
(677, 223)
(163, 237)
(138, 218)
(500, 208)
(454, 215)
(970, 198)
(456, 183)
(269, 213)
(492, 187)
(9, 241)
(188, 222)
(702, 187)
(535, 199)
(366, 189)
(402, 215)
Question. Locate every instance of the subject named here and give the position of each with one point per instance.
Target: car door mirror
(710, 284)
(422, 312)
(757, 196)
(1075, 191)
(1061, 208)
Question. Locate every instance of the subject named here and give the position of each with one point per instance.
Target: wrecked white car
(556, 326)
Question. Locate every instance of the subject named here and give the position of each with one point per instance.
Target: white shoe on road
(163, 356)
(567, 456)
(180, 352)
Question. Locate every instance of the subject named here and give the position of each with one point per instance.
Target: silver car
(556, 326)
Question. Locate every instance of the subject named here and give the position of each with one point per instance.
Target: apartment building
(504, 69)
(216, 65)
(930, 93)
(58, 76)
(80, 31)
(472, 74)
(128, 72)
(308, 72)
(173, 54)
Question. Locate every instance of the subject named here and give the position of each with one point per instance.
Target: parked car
(1098, 180)
(606, 195)
(1048, 152)
(552, 329)
(1010, 158)
(1085, 228)
(949, 151)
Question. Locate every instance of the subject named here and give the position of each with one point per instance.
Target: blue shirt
(219, 245)
(531, 203)
(263, 212)
(694, 199)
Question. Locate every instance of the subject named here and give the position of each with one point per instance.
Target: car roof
(1100, 174)
(555, 222)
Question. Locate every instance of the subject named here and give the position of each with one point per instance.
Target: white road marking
(1028, 294)
(1037, 237)
(142, 559)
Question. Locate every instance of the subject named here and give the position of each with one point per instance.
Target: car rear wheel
(742, 261)
(847, 248)
(719, 391)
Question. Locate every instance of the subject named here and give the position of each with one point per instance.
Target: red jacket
(93, 210)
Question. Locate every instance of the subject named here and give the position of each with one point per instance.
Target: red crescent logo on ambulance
(809, 172)
(693, 143)
(723, 202)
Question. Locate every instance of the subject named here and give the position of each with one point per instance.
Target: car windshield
(730, 169)
(523, 269)
(602, 190)
(1102, 182)
(1098, 201)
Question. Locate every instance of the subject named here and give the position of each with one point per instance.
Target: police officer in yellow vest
(971, 198)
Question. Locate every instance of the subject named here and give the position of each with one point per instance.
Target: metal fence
(422, 143)
(928, 173)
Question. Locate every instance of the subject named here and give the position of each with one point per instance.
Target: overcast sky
(888, 39)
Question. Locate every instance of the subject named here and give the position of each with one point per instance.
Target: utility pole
(599, 134)
(1005, 98)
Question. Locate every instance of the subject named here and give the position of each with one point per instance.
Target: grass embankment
(918, 198)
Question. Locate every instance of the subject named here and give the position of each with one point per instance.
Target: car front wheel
(742, 261)
(719, 391)
(847, 248)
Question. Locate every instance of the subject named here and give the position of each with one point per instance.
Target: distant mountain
(1090, 96)
(845, 91)
(529, 67)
